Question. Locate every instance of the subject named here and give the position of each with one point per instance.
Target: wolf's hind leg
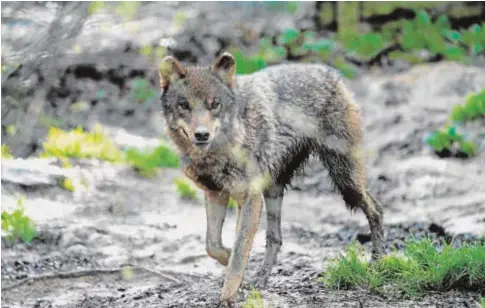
(347, 173)
(216, 207)
(273, 199)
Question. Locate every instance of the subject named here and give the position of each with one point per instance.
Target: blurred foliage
(472, 109)
(185, 189)
(96, 6)
(68, 185)
(148, 162)
(255, 300)
(17, 225)
(6, 153)
(142, 91)
(447, 140)
(423, 38)
(125, 9)
(289, 6)
(80, 144)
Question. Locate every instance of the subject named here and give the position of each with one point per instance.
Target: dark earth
(122, 220)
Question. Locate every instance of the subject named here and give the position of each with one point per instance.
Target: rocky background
(72, 65)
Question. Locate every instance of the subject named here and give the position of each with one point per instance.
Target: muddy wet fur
(234, 132)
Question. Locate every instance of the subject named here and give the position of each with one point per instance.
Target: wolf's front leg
(216, 206)
(248, 222)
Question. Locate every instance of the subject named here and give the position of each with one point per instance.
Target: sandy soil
(124, 219)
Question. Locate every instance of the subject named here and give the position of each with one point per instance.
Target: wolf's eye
(184, 105)
(215, 105)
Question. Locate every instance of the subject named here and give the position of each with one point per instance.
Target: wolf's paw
(227, 302)
(220, 254)
(260, 280)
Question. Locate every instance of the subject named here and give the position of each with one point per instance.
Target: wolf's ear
(225, 67)
(170, 71)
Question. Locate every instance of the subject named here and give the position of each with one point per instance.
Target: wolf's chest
(215, 175)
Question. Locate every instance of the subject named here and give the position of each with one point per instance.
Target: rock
(33, 172)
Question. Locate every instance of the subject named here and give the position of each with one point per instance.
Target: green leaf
(289, 36)
(435, 42)
(453, 35)
(410, 38)
(458, 114)
(468, 148)
(423, 17)
(454, 53)
(477, 48)
(322, 45)
(476, 29)
(442, 22)
(452, 131)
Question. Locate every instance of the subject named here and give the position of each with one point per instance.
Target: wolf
(246, 136)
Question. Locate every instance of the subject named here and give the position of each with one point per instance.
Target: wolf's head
(198, 102)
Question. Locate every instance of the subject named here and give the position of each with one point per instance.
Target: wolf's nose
(201, 134)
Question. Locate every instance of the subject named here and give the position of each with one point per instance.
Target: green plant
(255, 300)
(11, 130)
(472, 109)
(127, 10)
(67, 184)
(80, 144)
(423, 266)
(290, 6)
(17, 225)
(248, 64)
(448, 139)
(367, 45)
(482, 301)
(6, 154)
(232, 204)
(96, 6)
(185, 189)
(147, 162)
(440, 39)
(473, 38)
(348, 271)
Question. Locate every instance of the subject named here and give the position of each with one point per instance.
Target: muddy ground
(121, 219)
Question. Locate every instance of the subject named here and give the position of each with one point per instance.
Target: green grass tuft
(348, 271)
(255, 300)
(147, 163)
(423, 266)
(80, 144)
(17, 225)
(68, 185)
(6, 154)
(185, 189)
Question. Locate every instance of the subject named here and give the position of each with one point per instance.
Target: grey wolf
(247, 136)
